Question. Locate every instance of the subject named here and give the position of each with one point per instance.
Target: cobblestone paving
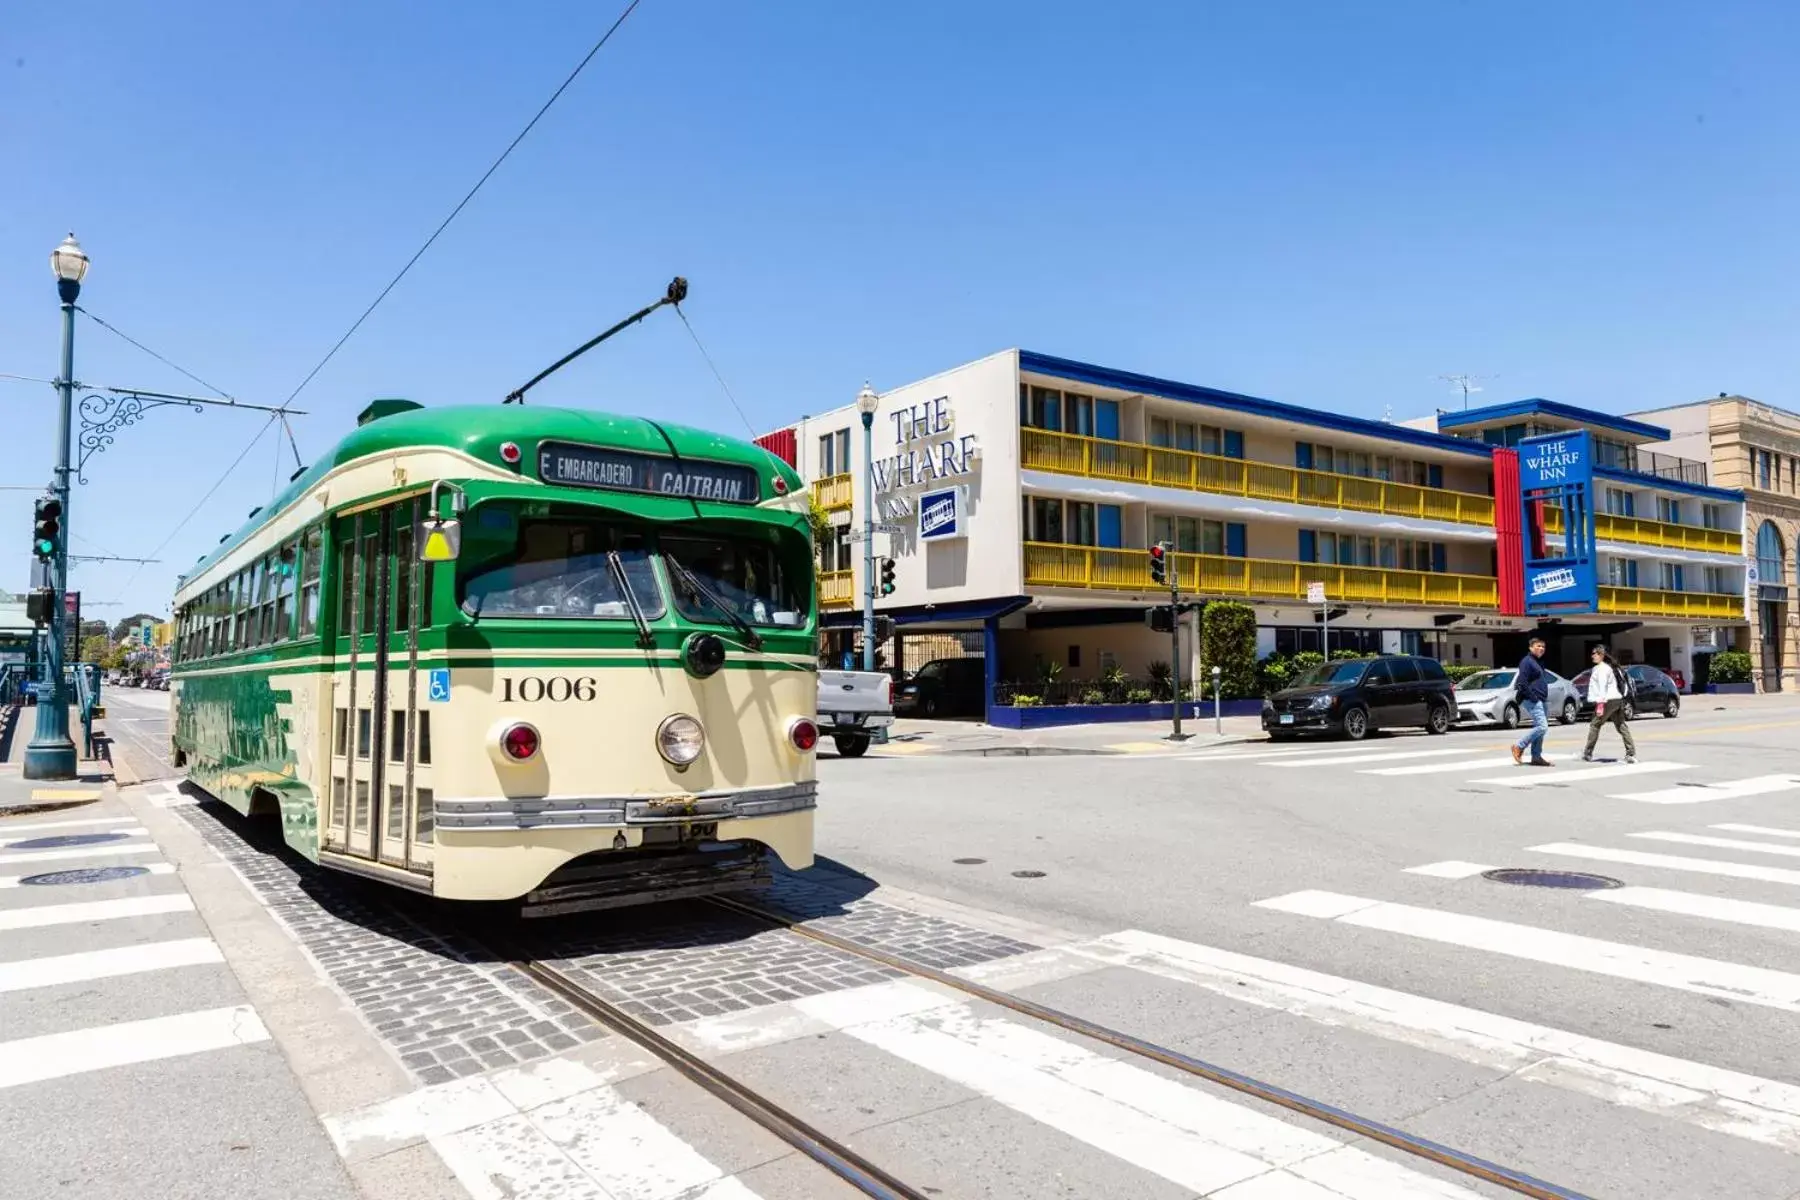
(441, 1002)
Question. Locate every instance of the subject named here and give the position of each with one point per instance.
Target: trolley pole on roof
(866, 404)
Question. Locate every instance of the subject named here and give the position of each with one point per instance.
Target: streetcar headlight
(679, 739)
(519, 742)
(803, 734)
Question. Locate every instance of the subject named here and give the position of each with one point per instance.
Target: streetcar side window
(346, 583)
(370, 565)
(263, 626)
(311, 564)
(284, 566)
(241, 605)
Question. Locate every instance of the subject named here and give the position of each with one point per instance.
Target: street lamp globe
(867, 401)
(69, 261)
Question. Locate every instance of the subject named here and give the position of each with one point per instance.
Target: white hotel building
(1065, 472)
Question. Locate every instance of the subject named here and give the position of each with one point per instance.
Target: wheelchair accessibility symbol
(438, 686)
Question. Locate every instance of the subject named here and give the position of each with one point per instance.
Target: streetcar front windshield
(562, 567)
(746, 577)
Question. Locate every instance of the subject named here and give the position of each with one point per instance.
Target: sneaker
(1587, 758)
(1518, 756)
(1631, 759)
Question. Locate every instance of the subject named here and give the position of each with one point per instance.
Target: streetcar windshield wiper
(616, 565)
(751, 638)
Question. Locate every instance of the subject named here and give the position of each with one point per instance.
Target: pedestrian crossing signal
(887, 576)
(1159, 562)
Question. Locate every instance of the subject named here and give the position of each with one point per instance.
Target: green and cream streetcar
(503, 652)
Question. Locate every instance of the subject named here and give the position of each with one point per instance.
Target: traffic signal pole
(1175, 734)
(51, 752)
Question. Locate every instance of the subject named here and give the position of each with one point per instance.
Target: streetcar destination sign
(621, 470)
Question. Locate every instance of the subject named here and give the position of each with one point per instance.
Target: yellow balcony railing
(1048, 565)
(833, 492)
(1096, 458)
(1642, 532)
(1653, 603)
(836, 589)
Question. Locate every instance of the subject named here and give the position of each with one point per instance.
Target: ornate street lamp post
(51, 753)
(866, 404)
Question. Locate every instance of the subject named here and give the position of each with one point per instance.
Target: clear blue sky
(1319, 202)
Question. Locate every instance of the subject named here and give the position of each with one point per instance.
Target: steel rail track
(829, 1153)
(1330, 1114)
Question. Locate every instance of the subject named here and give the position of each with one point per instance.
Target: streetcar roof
(479, 430)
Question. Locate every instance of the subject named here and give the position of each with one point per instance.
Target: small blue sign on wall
(1556, 472)
(437, 686)
(941, 515)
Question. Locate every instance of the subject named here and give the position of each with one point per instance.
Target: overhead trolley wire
(463, 203)
(714, 367)
(153, 354)
(217, 484)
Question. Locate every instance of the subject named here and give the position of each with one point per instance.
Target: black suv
(1356, 695)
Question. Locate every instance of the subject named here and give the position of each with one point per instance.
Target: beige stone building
(1755, 447)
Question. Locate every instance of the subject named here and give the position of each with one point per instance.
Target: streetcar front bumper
(595, 812)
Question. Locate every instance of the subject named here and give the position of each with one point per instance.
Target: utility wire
(242, 455)
(463, 203)
(716, 375)
(153, 354)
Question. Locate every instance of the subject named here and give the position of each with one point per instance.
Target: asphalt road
(1315, 915)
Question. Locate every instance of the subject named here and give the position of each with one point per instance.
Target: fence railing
(836, 589)
(1654, 602)
(1049, 565)
(1098, 458)
(1643, 532)
(1058, 692)
(834, 492)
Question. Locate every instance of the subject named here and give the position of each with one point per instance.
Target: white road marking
(157, 868)
(106, 850)
(1441, 768)
(1760, 785)
(7, 829)
(132, 831)
(1157, 1124)
(1701, 839)
(1746, 1106)
(105, 964)
(627, 1151)
(1671, 862)
(1762, 829)
(1683, 972)
(94, 910)
(1450, 870)
(54, 1055)
(1534, 776)
(1380, 757)
(1717, 908)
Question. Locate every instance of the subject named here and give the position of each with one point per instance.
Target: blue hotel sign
(1557, 470)
(941, 515)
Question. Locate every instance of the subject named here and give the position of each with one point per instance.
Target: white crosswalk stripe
(1530, 777)
(1481, 764)
(77, 1051)
(1671, 862)
(1717, 843)
(1383, 756)
(1683, 972)
(85, 911)
(1701, 793)
(1762, 829)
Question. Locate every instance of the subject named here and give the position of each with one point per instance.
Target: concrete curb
(1048, 751)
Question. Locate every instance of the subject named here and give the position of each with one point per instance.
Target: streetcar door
(381, 741)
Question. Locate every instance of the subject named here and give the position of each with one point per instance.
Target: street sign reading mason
(658, 475)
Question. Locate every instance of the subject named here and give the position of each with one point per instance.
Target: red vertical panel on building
(782, 444)
(1509, 548)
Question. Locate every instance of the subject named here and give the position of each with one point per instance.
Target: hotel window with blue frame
(1040, 408)
(1668, 510)
(1671, 577)
(834, 453)
(1622, 572)
(1192, 535)
(1618, 502)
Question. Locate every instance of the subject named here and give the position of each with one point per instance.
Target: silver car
(1486, 698)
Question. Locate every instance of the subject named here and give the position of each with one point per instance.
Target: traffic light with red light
(1159, 563)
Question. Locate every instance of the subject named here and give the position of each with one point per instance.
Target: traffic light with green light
(887, 576)
(46, 530)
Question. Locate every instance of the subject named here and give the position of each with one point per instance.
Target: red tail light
(519, 741)
(804, 734)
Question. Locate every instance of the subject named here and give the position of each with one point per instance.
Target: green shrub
(1095, 696)
(1730, 666)
(1228, 641)
(1461, 671)
(1026, 700)
(1342, 655)
(1138, 696)
(1161, 676)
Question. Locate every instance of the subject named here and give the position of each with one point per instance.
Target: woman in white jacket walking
(1607, 690)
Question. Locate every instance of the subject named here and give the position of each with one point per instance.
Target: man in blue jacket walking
(1533, 691)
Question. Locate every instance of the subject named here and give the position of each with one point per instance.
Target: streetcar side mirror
(440, 540)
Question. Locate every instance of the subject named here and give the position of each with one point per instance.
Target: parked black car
(1652, 691)
(944, 687)
(1355, 696)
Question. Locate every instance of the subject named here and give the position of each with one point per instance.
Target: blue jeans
(1540, 725)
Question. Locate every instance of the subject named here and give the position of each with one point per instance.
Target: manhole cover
(1028, 874)
(968, 862)
(67, 839)
(84, 875)
(1526, 877)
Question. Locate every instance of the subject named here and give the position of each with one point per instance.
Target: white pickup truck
(852, 705)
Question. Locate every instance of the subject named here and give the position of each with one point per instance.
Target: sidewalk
(916, 737)
(21, 796)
